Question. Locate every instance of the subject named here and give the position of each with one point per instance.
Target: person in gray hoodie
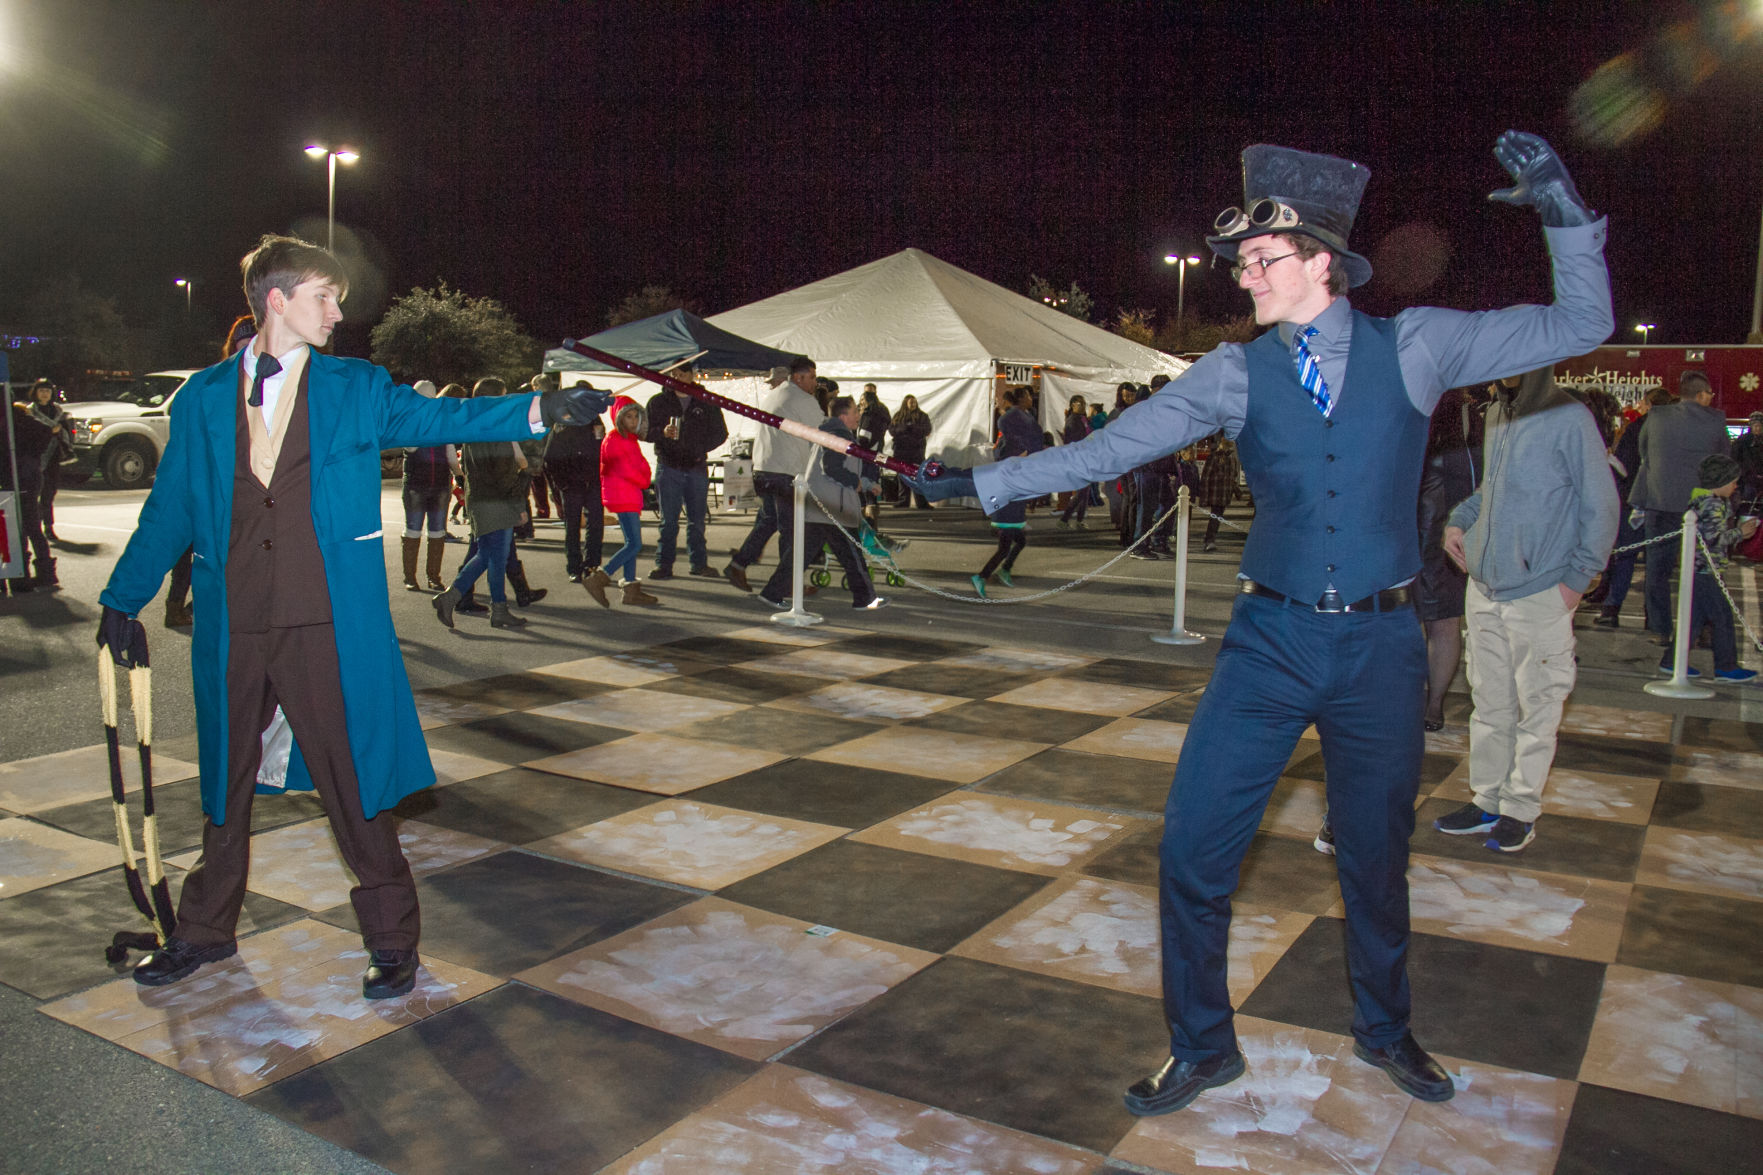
(1531, 539)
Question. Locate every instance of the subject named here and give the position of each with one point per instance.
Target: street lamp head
(182, 282)
(347, 156)
(317, 152)
(1170, 259)
(1193, 261)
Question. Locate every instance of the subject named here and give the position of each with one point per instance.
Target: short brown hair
(1308, 247)
(489, 386)
(281, 263)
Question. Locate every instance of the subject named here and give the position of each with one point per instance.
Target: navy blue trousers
(1361, 679)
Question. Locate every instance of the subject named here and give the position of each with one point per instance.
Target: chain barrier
(894, 568)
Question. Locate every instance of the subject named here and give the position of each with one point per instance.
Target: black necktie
(267, 365)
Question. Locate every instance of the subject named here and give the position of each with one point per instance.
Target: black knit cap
(1716, 470)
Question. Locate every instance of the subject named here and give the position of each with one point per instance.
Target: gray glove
(940, 482)
(573, 406)
(1542, 180)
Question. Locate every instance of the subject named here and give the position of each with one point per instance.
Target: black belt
(1384, 601)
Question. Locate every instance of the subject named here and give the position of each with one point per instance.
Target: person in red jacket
(624, 475)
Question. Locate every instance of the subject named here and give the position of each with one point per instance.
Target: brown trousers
(296, 668)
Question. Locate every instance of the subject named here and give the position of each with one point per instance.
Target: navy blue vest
(1335, 498)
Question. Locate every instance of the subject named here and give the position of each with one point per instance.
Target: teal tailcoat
(355, 410)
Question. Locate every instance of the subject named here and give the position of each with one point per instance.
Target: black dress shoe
(1411, 1068)
(389, 974)
(1180, 1082)
(177, 959)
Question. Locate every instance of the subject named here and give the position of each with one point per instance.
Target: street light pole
(1646, 329)
(1181, 288)
(332, 158)
(188, 287)
(1756, 335)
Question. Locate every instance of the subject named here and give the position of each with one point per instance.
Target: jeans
(425, 508)
(674, 488)
(579, 499)
(1150, 487)
(1707, 606)
(1661, 567)
(630, 525)
(777, 515)
(816, 535)
(492, 556)
(1621, 570)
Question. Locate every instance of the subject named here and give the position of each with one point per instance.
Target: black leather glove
(940, 482)
(573, 406)
(124, 637)
(1542, 180)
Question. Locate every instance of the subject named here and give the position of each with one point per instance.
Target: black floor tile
(1696, 807)
(905, 648)
(178, 808)
(825, 793)
(1144, 674)
(1613, 756)
(520, 805)
(920, 901)
(1075, 777)
(1434, 767)
(782, 731)
(957, 681)
(1564, 844)
(1518, 1009)
(726, 650)
(1003, 720)
(519, 691)
(510, 911)
(1612, 1132)
(1177, 709)
(1694, 934)
(1720, 734)
(55, 937)
(1031, 1052)
(519, 738)
(515, 1080)
(1133, 859)
(1287, 874)
(734, 684)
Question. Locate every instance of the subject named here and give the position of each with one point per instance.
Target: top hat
(1287, 191)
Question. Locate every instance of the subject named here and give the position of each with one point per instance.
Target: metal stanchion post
(797, 615)
(1178, 634)
(1678, 686)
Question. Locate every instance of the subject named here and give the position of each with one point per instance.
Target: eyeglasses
(1258, 263)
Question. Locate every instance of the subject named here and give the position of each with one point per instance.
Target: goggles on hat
(1265, 214)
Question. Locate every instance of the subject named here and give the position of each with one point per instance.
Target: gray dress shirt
(1436, 348)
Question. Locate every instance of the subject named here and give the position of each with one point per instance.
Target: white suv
(123, 437)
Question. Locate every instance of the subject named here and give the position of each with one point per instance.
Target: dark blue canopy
(668, 338)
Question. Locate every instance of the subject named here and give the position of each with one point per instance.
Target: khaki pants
(1521, 670)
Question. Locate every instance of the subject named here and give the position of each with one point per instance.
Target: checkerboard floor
(830, 901)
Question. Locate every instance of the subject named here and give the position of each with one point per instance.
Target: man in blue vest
(272, 475)
(1329, 412)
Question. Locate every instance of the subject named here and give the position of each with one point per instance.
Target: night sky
(558, 157)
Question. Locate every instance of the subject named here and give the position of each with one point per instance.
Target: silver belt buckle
(1331, 602)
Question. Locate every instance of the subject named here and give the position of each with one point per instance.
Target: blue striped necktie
(1310, 375)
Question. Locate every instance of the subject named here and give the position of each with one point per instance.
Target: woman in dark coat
(1077, 427)
(1017, 434)
(910, 428)
(1451, 473)
(495, 502)
(52, 416)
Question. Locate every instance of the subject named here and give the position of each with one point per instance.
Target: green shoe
(1003, 574)
(979, 585)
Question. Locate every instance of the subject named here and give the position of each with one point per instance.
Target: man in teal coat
(272, 474)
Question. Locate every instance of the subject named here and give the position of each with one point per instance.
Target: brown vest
(274, 572)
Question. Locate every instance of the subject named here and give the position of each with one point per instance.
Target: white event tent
(914, 325)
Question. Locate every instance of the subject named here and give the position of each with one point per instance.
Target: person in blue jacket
(272, 475)
(1329, 412)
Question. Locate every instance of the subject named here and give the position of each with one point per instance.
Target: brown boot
(597, 581)
(436, 547)
(634, 594)
(410, 547)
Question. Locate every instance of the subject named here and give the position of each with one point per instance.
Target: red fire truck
(1628, 373)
